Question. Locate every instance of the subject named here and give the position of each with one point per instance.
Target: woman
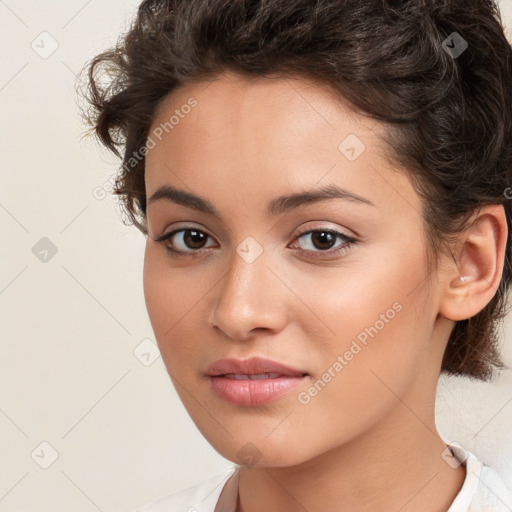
(322, 188)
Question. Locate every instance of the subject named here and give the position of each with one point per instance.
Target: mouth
(254, 366)
(258, 376)
(253, 382)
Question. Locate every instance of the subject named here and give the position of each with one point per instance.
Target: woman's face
(251, 279)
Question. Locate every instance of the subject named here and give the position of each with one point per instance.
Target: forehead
(267, 134)
(271, 103)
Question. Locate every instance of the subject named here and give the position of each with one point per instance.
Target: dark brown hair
(448, 115)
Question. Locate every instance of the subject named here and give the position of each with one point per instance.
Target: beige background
(72, 327)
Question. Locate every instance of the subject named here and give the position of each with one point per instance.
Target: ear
(472, 279)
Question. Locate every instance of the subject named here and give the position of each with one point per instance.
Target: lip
(252, 366)
(244, 391)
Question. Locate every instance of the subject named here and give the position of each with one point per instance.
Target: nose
(250, 297)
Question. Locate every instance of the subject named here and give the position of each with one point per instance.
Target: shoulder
(483, 489)
(201, 497)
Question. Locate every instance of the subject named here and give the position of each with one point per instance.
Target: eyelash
(349, 241)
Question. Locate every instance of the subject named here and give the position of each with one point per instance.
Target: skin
(368, 440)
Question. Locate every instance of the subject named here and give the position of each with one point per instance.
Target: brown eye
(322, 241)
(194, 239)
(184, 241)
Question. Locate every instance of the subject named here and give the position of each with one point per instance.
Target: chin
(260, 452)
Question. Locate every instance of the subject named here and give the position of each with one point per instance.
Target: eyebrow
(276, 207)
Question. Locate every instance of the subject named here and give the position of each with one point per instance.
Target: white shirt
(482, 491)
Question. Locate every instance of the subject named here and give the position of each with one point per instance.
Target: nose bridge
(246, 296)
(247, 264)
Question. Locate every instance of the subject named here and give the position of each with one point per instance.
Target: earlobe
(476, 273)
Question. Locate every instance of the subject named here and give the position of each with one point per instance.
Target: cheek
(155, 291)
(351, 301)
(170, 296)
(177, 304)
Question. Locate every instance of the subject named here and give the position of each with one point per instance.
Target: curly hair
(449, 115)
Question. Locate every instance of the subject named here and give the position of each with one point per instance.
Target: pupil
(323, 237)
(194, 239)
